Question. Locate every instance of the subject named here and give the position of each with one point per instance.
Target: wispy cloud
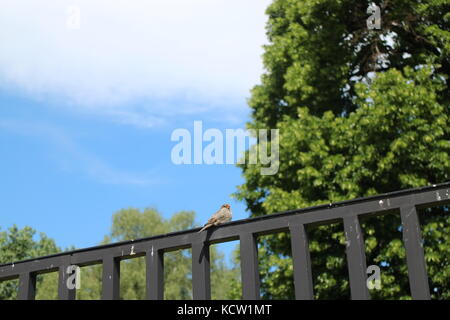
(71, 156)
(205, 53)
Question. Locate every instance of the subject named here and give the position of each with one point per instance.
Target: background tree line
(16, 245)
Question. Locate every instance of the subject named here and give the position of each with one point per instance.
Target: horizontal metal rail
(405, 202)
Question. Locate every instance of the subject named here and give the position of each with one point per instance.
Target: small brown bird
(221, 216)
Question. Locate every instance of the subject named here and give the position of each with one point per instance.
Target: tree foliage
(129, 224)
(21, 244)
(360, 112)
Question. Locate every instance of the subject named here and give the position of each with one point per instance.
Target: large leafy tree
(360, 112)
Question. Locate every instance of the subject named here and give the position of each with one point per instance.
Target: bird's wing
(212, 220)
(216, 216)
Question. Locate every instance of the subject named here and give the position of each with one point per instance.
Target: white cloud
(72, 157)
(206, 53)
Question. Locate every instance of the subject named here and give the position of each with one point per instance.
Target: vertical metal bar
(155, 274)
(64, 292)
(27, 286)
(356, 259)
(201, 280)
(417, 270)
(111, 279)
(302, 263)
(249, 267)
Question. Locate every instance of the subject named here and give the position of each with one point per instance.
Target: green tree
(133, 223)
(360, 112)
(20, 244)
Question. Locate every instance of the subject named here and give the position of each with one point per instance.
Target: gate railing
(406, 203)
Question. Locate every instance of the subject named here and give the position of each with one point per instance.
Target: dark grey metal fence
(406, 203)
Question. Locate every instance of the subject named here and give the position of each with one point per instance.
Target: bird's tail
(205, 227)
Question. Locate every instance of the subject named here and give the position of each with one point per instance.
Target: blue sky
(86, 112)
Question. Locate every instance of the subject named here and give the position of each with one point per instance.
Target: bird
(222, 215)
